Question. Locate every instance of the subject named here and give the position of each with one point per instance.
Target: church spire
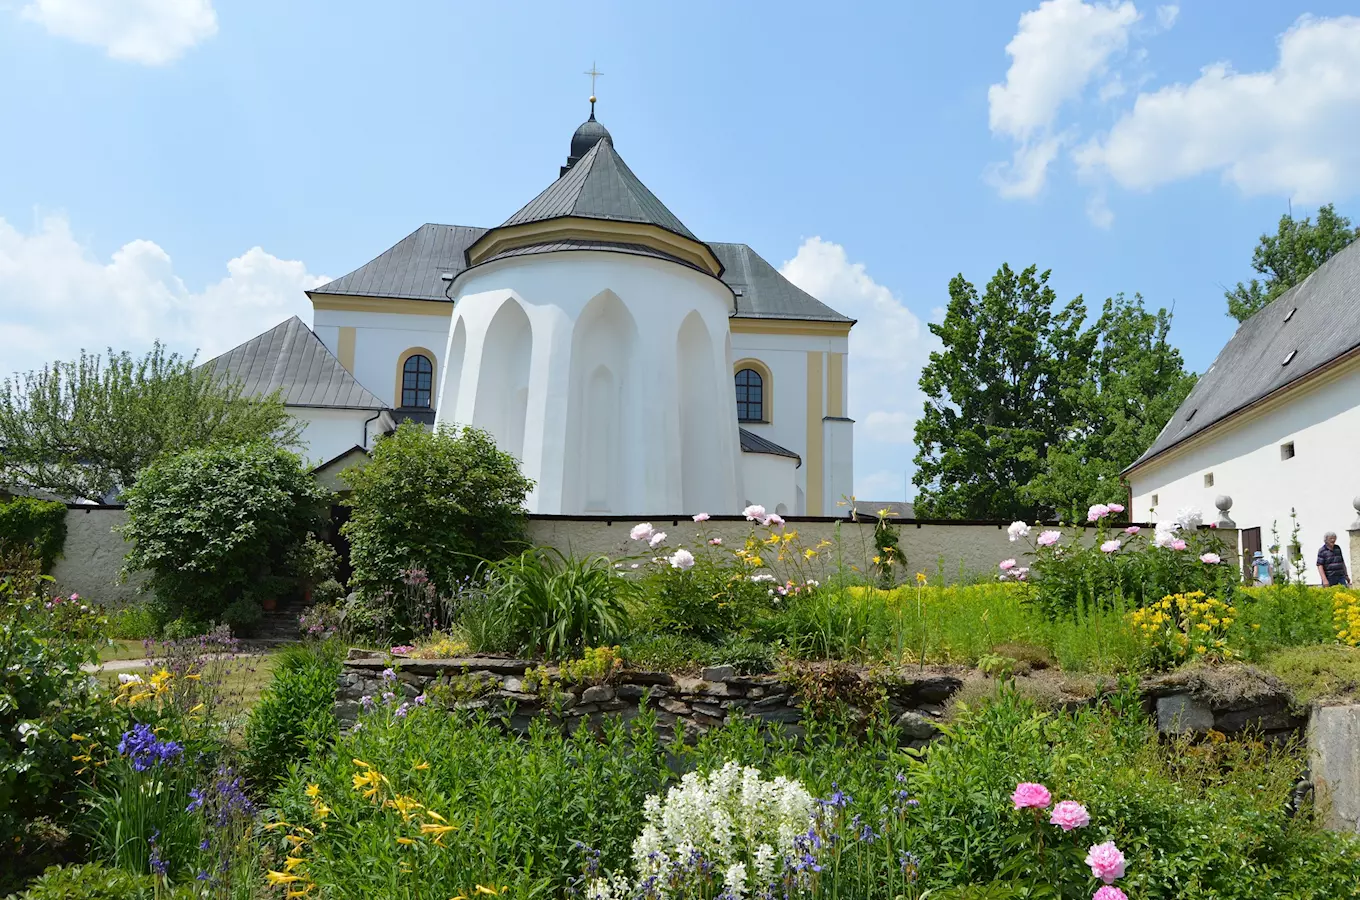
(591, 132)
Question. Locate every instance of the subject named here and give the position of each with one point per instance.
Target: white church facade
(1274, 424)
(631, 367)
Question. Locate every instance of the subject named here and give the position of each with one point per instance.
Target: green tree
(217, 526)
(999, 393)
(87, 428)
(1289, 256)
(1136, 382)
(437, 500)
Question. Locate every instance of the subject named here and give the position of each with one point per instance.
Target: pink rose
(1030, 795)
(1132, 529)
(1109, 892)
(1069, 814)
(1106, 862)
(1115, 507)
(1006, 565)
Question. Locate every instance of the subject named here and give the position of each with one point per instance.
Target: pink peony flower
(1132, 529)
(1097, 512)
(1049, 538)
(754, 513)
(1069, 814)
(641, 532)
(1178, 544)
(1110, 546)
(1006, 565)
(701, 517)
(681, 559)
(1021, 573)
(1209, 559)
(1106, 862)
(1115, 507)
(1029, 795)
(715, 541)
(657, 539)
(1109, 892)
(774, 519)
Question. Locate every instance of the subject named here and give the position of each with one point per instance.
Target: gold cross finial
(593, 73)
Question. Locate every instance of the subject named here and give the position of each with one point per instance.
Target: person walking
(1331, 565)
(1261, 566)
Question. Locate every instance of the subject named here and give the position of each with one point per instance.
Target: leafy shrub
(38, 525)
(1181, 627)
(134, 622)
(296, 712)
(44, 699)
(243, 616)
(435, 500)
(328, 592)
(555, 604)
(95, 881)
(320, 622)
(665, 652)
(218, 524)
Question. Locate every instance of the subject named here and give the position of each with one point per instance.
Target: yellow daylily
(422, 766)
(405, 840)
(281, 877)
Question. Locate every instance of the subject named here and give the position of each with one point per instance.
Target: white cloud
(1166, 15)
(1056, 52)
(151, 32)
(884, 486)
(1292, 130)
(57, 298)
(888, 347)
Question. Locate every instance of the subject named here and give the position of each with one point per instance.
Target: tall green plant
(558, 605)
(296, 713)
(439, 501)
(40, 525)
(218, 525)
(89, 427)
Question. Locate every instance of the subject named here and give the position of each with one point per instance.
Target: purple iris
(145, 750)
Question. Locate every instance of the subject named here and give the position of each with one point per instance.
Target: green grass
(121, 649)
(1322, 672)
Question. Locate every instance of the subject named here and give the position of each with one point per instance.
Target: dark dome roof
(588, 135)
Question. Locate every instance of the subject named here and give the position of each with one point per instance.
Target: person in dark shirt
(1331, 565)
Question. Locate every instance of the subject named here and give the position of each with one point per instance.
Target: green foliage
(707, 601)
(997, 395)
(218, 524)
(328, 592)
(89, 428)
(1318, 672)
(295, 715)
(555, 604)
(134, 622)
(38, 526)
(44, 699)
(243, 616)
(1295, 251)
(1135, 382)
(439, 501)
(315, 561)
(1030, 413)
(96, 881)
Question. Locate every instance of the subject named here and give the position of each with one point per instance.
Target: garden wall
(947, 549)
(94, 552)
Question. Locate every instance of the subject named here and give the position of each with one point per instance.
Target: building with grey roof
(1273, 424)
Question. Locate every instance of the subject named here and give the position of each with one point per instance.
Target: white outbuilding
(1274, 424)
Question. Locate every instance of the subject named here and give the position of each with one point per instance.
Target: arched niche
(503, 383)
(602, 407)
(702, 412)
(453, 370)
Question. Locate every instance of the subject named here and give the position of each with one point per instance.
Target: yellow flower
(422, 766)
(280, 824)
(920, 577)
(313, 790)
(79, 737)
(809, 553)
(434, 815)
(281, 877)
(361, 763)
(436, 829)
(483, 889)
(197, 708)
(405, 840)
(292, 862)
(877, 560)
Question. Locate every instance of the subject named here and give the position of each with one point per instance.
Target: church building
(632, 368)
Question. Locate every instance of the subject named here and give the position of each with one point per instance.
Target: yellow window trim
(766, 387)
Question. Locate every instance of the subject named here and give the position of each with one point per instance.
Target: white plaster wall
(92, 556)
(1319, 482)
(838, 461)
(771, 481)
(379, 341)
(639, 303)
(326, 433)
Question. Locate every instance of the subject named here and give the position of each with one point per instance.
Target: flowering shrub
(1180, 627)
(1124, 567)
(1346, 617)
(557, 605)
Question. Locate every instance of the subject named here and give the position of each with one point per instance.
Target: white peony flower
(1017, 530)
(681, 559)
(641, 532)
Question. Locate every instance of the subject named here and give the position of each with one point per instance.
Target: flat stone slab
(1183, 714)
(496, 665)
(1334, 752)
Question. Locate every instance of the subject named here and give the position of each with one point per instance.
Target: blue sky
(183, 169)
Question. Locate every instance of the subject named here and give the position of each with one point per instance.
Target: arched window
(417, 379)
(750, 396)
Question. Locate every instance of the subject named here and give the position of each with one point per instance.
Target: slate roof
(600, 186)
(291, 358)
(763, 293)
(610, 246)
(1304, 328)
(410, 270)
(897, 509)
(754, 443)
